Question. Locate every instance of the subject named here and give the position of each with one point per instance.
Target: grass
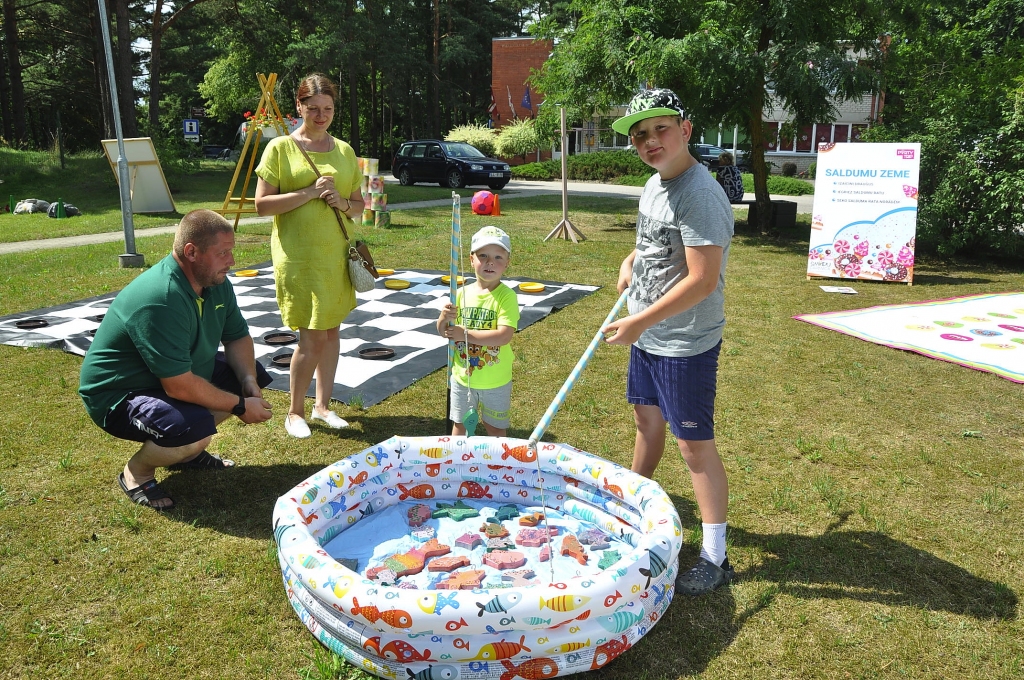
(871, 536)
(88, 182)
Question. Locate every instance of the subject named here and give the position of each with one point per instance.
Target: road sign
(198, 112)
(191, 128)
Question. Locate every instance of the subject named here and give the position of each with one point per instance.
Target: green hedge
(601, 167)
(782, 186)
(623, 167)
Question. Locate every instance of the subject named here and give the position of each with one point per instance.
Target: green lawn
(877, 496)
(88, 182)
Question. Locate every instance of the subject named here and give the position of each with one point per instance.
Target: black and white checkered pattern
(402, 320)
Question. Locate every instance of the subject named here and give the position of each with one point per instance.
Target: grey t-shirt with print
(688, 210)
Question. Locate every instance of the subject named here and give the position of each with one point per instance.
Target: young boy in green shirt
(485, 316)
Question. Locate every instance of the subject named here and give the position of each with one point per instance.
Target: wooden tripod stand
(243, 204)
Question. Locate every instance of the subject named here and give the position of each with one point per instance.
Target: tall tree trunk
(375, 147)
(99, 61)
(14, 68)
(353, 105)
(156, 33)
(125, 80)
(5, 101)
(353, 83)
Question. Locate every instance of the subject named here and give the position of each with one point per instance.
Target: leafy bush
(812, 170)
(542, 170)
(517, 139)
(782, 186)
(601, 166)
(788, 169)
(971, 195)
(480, 136)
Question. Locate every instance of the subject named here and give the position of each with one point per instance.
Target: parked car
(216, 151)
(450, 164)
(708, 155)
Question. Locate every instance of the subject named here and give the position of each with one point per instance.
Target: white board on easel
(148, 186)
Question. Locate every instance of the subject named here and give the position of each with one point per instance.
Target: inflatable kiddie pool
(345, 533)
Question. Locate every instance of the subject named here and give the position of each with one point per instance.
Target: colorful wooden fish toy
(505, 559)
(457, 512)
(411, 562)
(463, 580)
(532, 519)
(572, 547)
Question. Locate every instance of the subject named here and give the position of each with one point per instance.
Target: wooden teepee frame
(242, 204)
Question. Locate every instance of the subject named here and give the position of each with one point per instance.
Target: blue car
(450, 164)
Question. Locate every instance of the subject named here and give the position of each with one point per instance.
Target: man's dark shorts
(683, 388)
(153, 416)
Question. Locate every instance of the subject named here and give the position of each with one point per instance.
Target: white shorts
(493, 404)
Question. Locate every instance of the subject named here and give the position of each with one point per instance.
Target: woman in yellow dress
(307, 245)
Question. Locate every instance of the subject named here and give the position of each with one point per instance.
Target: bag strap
(337, 213)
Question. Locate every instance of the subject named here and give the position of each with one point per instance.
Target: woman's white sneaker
(330, 419)
(296, 426)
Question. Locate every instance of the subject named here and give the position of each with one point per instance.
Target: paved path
(515, 189)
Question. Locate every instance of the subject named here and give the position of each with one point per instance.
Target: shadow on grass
(866, 566)
(872, 567)
(238, 502)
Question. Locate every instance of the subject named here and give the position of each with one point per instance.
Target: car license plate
(495, 174)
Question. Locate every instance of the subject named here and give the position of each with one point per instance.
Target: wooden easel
(252, 138)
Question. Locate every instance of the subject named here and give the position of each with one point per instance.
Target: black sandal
(204, 461)
(705, 577)
(146, 494)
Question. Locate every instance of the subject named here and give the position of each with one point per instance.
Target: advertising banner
(865, 212)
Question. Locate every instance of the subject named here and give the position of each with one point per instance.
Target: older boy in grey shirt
(676, 281)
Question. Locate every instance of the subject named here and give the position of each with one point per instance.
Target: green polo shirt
(157, 327)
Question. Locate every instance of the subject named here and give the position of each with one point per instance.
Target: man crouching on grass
(154, 373)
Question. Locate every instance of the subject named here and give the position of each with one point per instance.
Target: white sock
(713, 548)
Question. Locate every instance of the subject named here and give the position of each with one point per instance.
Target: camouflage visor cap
(649, 104)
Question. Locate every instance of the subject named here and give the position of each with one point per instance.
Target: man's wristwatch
(239, 409)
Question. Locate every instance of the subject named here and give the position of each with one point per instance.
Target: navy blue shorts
(683, 387)
(153, 416)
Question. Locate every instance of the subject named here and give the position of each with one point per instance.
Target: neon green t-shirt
(482, 367)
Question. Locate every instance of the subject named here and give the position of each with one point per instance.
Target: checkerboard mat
(402, 320)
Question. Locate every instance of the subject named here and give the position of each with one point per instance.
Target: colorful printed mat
(983, 332)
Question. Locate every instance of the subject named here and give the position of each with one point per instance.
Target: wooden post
(565, 229)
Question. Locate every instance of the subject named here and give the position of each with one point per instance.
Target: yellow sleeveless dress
(307, 246)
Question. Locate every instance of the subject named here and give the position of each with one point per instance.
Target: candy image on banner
(865, 212)
(378, 202)
(370, 166)
(367, 218)
(376, 184)
(540, 619)
(383, 219)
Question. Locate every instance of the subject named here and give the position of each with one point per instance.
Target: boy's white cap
(491, 236)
